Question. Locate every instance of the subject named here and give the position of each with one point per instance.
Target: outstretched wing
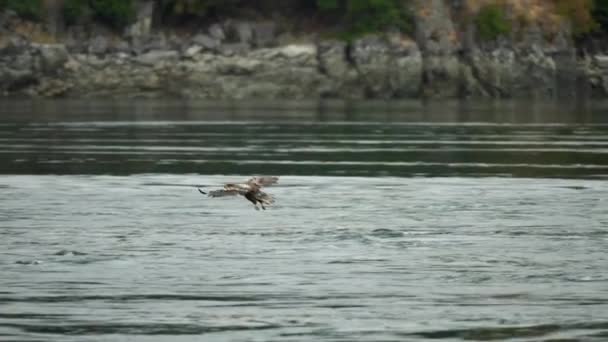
(263, 181)
(224, 192)
(264, 197)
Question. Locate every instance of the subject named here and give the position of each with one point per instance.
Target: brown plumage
(250, 190)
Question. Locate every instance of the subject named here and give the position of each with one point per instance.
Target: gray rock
(264, 34)
(143, 19)
(234, 49)
(239, 32)
(121, 47)
(601, 61)
(53, 88)
(153, 58)
(99, 45)
(332, 58)
(205, 41)
(15, 46)
(387, 70)
(238, 66)
(155, 43)
(192, 51)
(12, 79)
(24, 60)
(217, 32)
(53, 57)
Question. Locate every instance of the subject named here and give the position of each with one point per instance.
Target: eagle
(250, 189)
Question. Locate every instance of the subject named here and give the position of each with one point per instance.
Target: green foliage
(116, 13)
(367, 16)
(579, 13)
(196, 8)
(328, 5)
(73, 10)
(30, 9)
(600, 14)
(492, 22)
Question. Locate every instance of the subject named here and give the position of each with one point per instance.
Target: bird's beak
(202, 192)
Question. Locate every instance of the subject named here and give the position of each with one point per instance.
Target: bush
(600, 14)
(116, 13)
(579, 13)
(73, 10)
(492, 22)
(30, 9)
(367, 16)
(197, 8)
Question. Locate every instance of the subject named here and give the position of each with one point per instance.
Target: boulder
(153, 58)
(11, 79)
(99, 45)
(232, 49)
(206, 41)
(53, 57)
(264, 34)
(143, 19)
(332, 58)
(238, 32)
(192, 51)
(217, 32)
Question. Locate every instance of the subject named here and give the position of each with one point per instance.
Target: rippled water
(417, 225)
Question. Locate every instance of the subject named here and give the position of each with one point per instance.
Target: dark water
(398, 222)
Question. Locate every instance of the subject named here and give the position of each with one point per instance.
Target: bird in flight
(250, 189)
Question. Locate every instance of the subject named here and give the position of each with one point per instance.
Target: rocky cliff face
(238, 60)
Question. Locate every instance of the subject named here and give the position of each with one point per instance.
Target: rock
(234, 49)
(99, 45)
(155, 43)
(72, 65)
(238, 66)
(25, 61)
(148, 81)
(143, 19)
(387, 70)
(12, 79)
(601, 61)
(53, 57)
(298, 51)
(53, 88)
(239, 32)
(264, 34)
(192, 51)
(120, 46)
(153, 58)
(332, 58)
(15, 46)
(217, 32)
(206, 42)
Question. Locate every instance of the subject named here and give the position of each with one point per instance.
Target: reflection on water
(104, 237)
(372, 139)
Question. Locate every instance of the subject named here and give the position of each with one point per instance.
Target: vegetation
(196, 8)
(579, 13)
(348, 18)
(600, 14)
(365, 16)
(492, 22)
(115, 13)
(30, 9)
(73, 10)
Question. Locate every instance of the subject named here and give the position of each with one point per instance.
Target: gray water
(405, 222)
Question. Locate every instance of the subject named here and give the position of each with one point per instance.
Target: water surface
(417, 224)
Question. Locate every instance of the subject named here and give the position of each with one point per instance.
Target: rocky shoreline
(244, 60)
